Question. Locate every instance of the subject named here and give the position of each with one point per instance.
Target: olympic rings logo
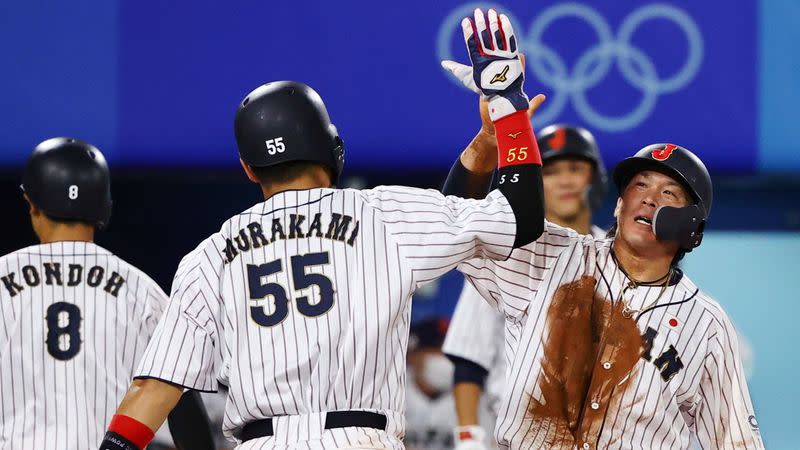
(594, 64)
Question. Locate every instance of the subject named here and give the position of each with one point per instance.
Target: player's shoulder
(557, 241)
(12, 257)
(86, 251)
(132, 272)
(395, 193)
(557, 235)
(704, 303)
(415, 194)
(63, 250)
(54, 249)
(210, 250)
(598, 233)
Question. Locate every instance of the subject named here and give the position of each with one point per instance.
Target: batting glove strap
(496, 68)
(126, 433)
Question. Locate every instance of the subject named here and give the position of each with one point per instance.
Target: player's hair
(64, 220)
(69, 221)
(678, 256)
(287, 172)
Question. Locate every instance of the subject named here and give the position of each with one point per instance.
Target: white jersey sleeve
(511, 284)
(192, 322)
(435, 232)
(723, 413)
(156, 301)
(476, 330)
(598, 232)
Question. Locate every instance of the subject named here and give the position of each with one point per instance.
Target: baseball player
(301, 303)
(574, 185)
(76, 318)
(618, 348)
(429, 390)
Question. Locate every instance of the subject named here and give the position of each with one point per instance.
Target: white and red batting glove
(496, 70)
(469, 437)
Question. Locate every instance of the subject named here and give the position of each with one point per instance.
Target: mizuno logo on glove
(500, 77)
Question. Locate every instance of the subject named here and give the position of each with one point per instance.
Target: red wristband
(131, 429)
(516, 143)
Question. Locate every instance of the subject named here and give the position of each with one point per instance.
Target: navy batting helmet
(68, 179)
(287, 121)
(684, 225)
(565, 142)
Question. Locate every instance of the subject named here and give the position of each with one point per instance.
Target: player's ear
(32, 209)
(618, 207)
(249, 171)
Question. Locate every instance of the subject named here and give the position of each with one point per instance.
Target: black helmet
(686, 224)
(566, 141)
(68, 179)
(286, 121)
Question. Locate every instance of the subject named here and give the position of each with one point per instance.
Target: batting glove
(470, 437)
(496, 67)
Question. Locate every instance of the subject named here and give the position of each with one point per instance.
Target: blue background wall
(155, 83)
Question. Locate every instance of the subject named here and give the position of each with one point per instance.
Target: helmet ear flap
(684, 225)
(337, 151)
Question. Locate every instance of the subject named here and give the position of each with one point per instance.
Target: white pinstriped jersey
(76, 320)
(301, 304)
(480, 334)
(684, 376)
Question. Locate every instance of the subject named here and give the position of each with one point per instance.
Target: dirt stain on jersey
(590, 352)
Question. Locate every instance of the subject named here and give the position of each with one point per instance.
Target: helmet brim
(629, 167)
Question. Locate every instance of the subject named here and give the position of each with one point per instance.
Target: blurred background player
(214, 404)
(429, 388)
(76, 318)
(575, 183)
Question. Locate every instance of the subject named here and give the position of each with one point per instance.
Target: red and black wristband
(126, 433)
(516, 143)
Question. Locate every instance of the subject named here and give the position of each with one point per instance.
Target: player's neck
(57, 232)
(311, 180)
(581, 222)
(639, 267)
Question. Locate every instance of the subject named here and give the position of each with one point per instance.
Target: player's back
(76, 320)
(310, 292)
(316, 301)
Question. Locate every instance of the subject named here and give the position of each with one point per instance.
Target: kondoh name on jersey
(337, 228)
(51, 274)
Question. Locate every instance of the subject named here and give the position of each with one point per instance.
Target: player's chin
(567, 210)
(640, 237)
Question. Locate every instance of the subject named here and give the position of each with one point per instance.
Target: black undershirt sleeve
(467, 371)
(520, 184)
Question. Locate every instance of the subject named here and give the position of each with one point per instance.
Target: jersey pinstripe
(76, 320)
(301, 304)
(480, 334)
(689, 379)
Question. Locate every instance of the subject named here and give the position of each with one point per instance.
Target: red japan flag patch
(672, 321)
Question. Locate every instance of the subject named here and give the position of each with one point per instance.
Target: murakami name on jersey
(337, 227)
(50, 273)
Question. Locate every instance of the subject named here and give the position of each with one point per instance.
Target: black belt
(333, 419)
